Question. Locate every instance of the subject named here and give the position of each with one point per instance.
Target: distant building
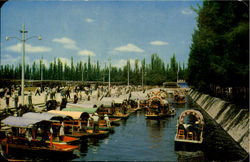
(170, 85)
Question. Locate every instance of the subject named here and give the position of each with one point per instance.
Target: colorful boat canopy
(79, 109)
(84, 105)
(23, 122)
(73, 114)
(195, 113)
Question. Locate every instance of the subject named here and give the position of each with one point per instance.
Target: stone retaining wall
(234, 121)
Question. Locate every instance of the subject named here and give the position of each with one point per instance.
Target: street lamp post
(142, 75)
(128, 73)
(23, 31)
(109, 73)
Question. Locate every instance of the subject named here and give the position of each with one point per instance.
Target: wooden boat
(78, 126)
(89, 133)
(189, 136)
(158, 108)
(103, 128)
(120, 115)
(24, 137)
(90, 110)
(141, 98)
(179, 99)
(107, 106)
(114, 121)
(172, 112)
(56, 126)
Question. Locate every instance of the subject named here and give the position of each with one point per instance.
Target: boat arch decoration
(156, 98)
(195, 113)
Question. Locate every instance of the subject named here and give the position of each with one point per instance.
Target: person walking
(46, 97)
(7, 99)
(16, 99)
(30, 98)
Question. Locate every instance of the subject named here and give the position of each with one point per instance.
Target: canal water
(140, 139)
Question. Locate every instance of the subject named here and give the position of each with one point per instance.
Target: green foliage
(154, 73)
(219, 53)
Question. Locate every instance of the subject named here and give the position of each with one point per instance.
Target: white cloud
(86, 53)
(28, 48)
(158, 43)
(8, 59)
(66, 42)
(186, 12)
(129, 48)
(89, 20)
(122, 62)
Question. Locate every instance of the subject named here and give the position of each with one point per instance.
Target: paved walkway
(36, 99)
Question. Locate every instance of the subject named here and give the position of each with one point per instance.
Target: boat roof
(82, 105)
(106, 101)
(44, 116)
(73, 114)
(118, 100)
(79, 109)
(22, 122)
(162, 101)
(195, 113)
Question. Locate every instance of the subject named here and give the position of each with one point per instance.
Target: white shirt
(95, 118)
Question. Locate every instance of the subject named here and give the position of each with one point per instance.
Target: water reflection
(197, 156)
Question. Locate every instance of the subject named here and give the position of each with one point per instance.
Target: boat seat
(190, 135)
(181, 134)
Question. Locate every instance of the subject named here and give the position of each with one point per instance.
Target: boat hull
(110, 129)
(120, 116)
(187, 145)
(42, 152)
(89, 133)
(179, 102)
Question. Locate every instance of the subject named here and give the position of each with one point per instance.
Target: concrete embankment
(233, 120)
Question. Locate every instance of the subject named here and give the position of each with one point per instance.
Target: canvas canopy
(195, 113)
(83, 105)
(124, 96)
(118, 100)
(21, 122)
(107, 102)
(44, 116)
(79, 109)
(73, 114)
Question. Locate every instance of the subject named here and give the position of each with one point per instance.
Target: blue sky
(120, 30)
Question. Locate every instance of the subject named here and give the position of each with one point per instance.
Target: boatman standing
(95, 118)
(106, 118)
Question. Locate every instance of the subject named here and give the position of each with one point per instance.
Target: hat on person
(95, 114)
(105, 115)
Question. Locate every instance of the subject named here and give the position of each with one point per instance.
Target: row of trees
(219, 57)
(155, 73)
